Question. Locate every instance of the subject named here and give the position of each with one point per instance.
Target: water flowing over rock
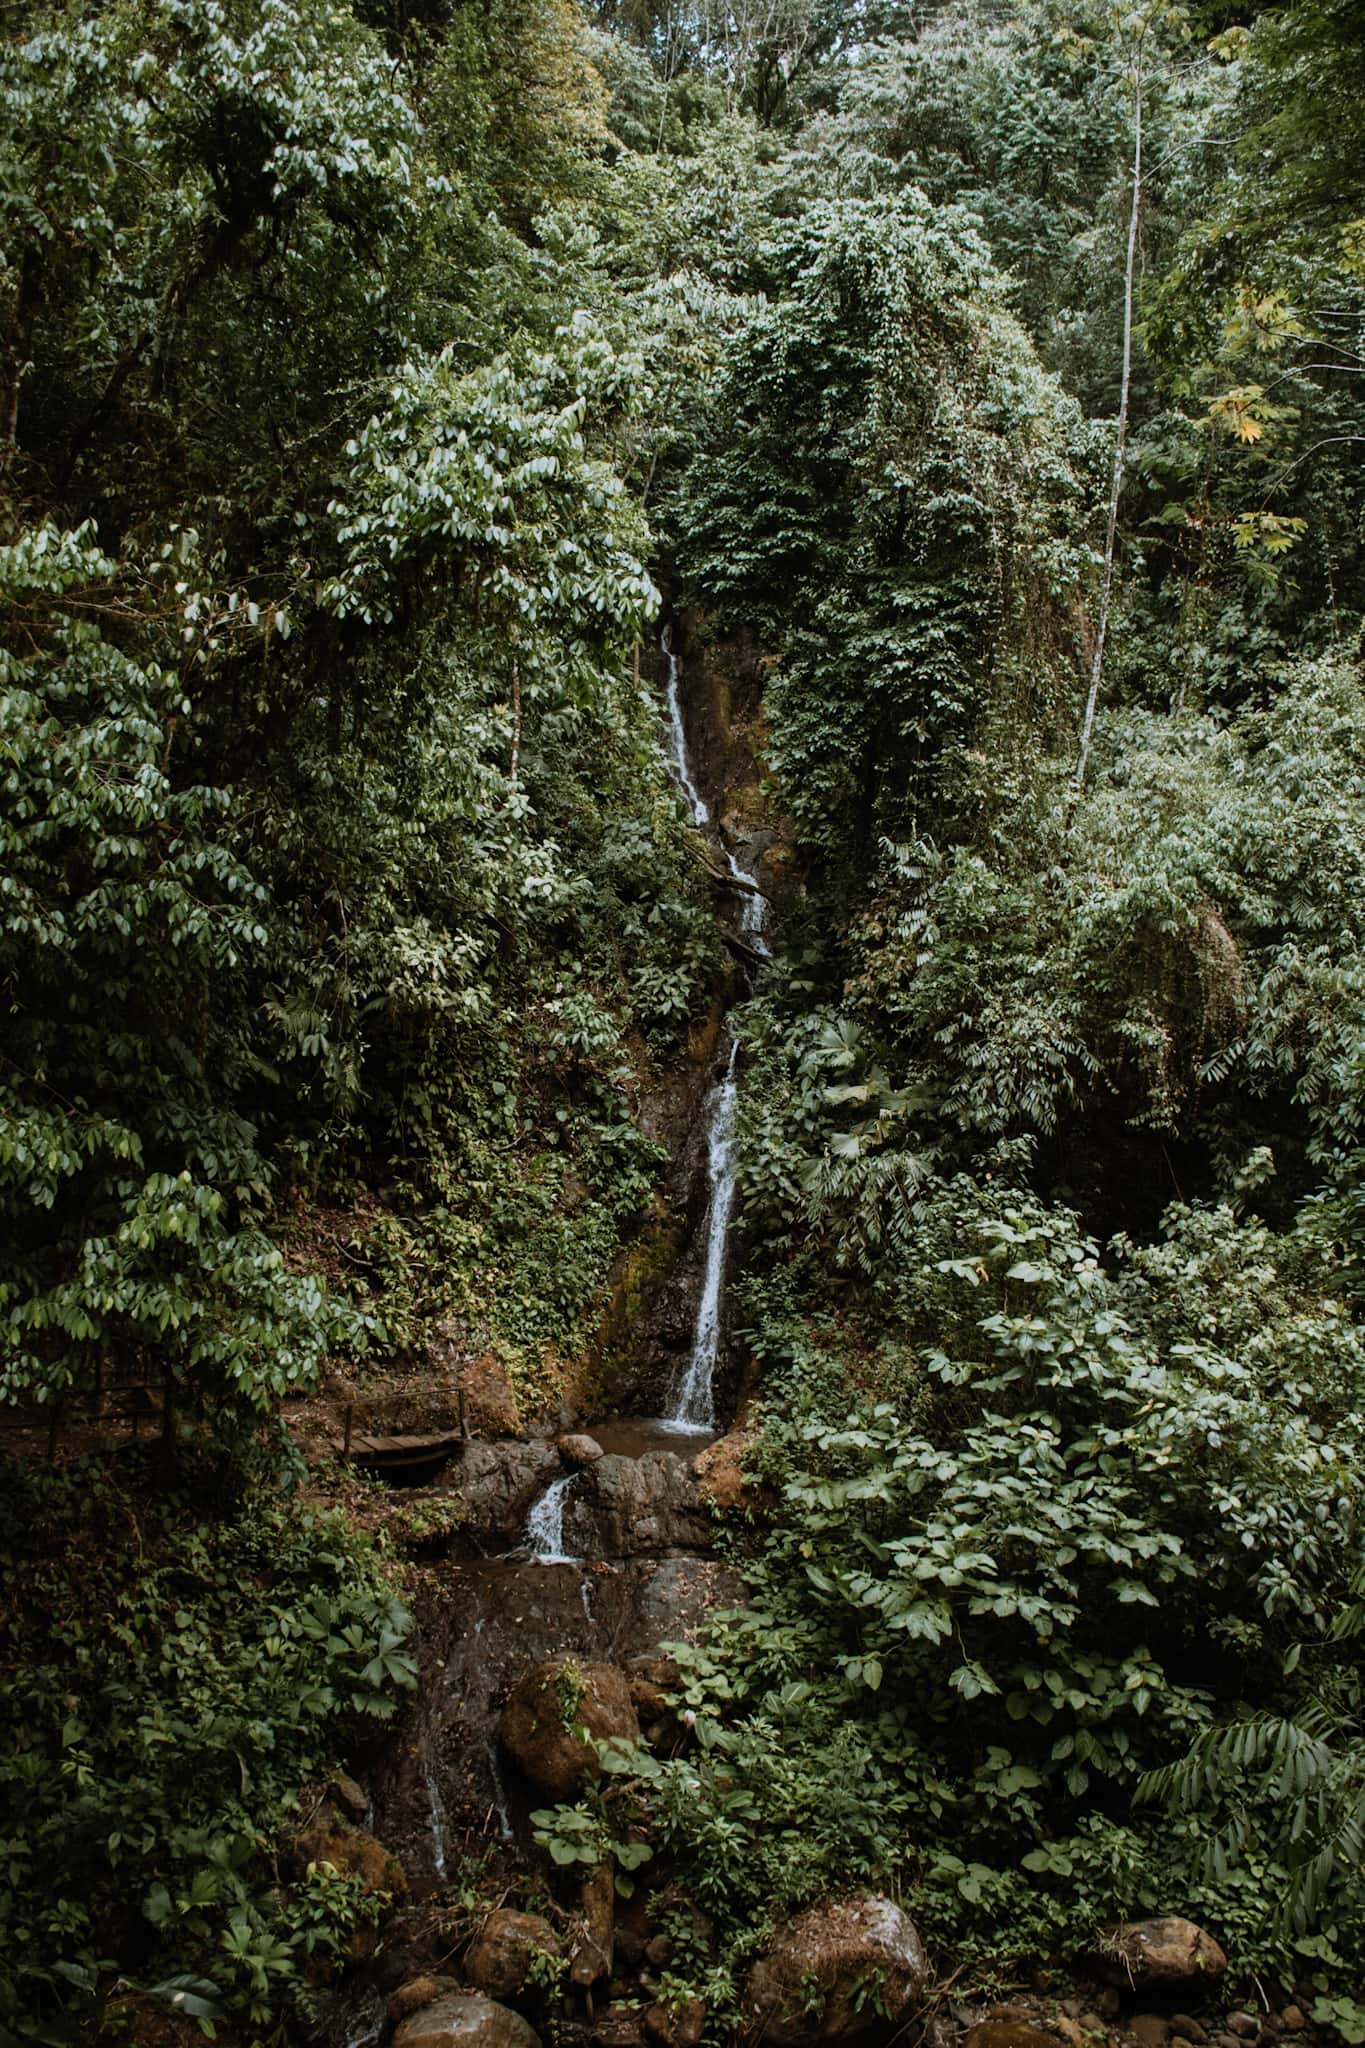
(1167, 1953)
(466, 2019)
(497, 1482)
(554, 1715)
(545, 1524)
(694, 1403)
(836, 1972)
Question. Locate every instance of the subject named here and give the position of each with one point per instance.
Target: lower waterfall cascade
(609, 1556)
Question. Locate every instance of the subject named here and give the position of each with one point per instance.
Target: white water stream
(692, 1410)
(440, 1823)
(545, 1524)
(753, 904)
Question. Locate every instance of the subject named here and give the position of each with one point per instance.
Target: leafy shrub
(171, 1679)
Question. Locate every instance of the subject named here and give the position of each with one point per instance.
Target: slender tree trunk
(516, 720)
(16, 353)
(1120, 446)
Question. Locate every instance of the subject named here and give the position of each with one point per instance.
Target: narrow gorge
(584, 1546)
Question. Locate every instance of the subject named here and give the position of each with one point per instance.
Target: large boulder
(465, 2019)
(554, 1714)
(1168, 1954)
(502, 1952)
(675, 2026)
(352, 1852)
(497, 1483)
(836, 1972)
(635, 1507)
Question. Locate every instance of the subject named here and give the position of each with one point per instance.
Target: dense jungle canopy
(983, 381)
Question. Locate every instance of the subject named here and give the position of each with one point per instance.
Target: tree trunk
(1120, 446)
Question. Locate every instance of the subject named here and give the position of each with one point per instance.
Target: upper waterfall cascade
(693, 1405)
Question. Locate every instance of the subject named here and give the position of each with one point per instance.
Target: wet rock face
(1160, 1955)
(465, 2019)
(497, 1483)
(551, 1711)
(837, 1972)
(505, 1949)
(635, 1507)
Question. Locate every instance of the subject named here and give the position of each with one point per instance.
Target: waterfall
(506, 1831)
(440, 1824)
(693, 1408)
(677, 735)
(694, 1405)
(545, 1524)
(753, 905)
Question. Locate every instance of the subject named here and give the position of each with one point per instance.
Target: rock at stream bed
(635, 1507)
(497, 1483)
(676, 2026)
(502, 1952)
(836, 1972)
(1169, 1954)
(552, 1709)
(465, 2019)
(1006, 2034)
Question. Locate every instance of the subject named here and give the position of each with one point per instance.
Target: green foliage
(131, 1190)
(347, 918)
(1078, 1505)
(173, 1678)
(888, 484)
(1185, 944)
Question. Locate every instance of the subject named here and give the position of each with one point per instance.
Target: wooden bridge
(407, 1456)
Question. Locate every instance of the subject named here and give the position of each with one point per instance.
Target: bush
(169, 1680)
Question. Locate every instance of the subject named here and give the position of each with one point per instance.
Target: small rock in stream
(809, 1986)
(1150, 2030)
(1006, 2034)
(502, 1953)
(1147, 1955)
(579, 1449)
(465, 2019)
(416, 1994)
